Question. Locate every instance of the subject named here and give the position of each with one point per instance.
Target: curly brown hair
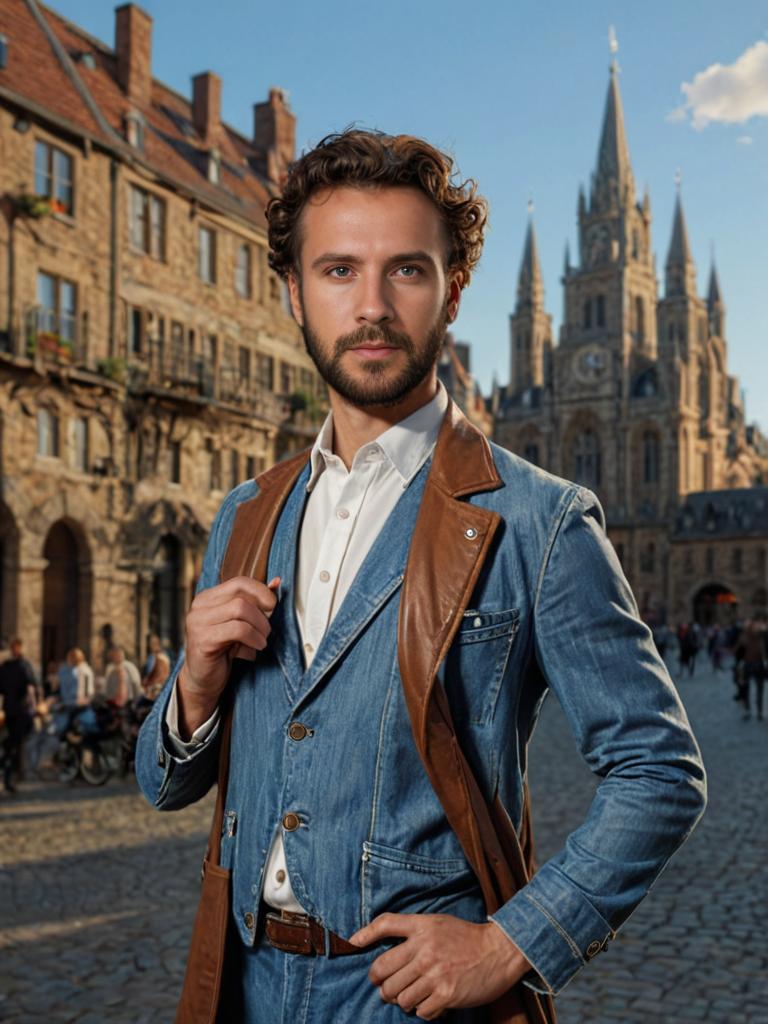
(370, 158)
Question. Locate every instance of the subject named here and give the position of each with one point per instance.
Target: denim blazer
(546, 607)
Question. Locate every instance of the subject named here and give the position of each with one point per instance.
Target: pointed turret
(715, 305)
(681, 270)
(530, 284)
(613, 183)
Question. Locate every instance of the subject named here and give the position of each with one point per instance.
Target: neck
(354, 426)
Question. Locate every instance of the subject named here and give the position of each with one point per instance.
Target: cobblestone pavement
(98, 891)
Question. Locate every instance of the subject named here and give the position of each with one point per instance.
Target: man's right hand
(219, 621)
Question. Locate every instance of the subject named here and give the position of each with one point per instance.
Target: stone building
(635, 400)
(148, 361)
(455, 371)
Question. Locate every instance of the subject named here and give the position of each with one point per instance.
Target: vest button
(291, 822)
(249, 921)
(297, 731)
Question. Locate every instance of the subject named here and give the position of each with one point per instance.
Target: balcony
(49, 339)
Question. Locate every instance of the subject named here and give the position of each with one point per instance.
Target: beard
(376, 385)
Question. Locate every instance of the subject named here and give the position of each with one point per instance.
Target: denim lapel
(380, 575)
(285, 639)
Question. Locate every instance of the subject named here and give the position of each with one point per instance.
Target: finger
(225, 634)
(239, 608)
(243, 586)
(416, 996)
(390, 962)
(383, 926)
(393, 988)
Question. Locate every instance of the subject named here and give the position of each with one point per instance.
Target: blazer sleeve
(168, 780)
(631, 729)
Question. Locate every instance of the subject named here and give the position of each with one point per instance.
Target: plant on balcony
(306, 402)
(30, 205)
(48, 341)
(112, 367)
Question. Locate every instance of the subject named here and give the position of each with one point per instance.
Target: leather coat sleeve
(631, 729)
(168, 780)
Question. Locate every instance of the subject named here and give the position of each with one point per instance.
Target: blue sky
(515, 91)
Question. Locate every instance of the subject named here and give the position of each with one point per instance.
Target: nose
(375, 304)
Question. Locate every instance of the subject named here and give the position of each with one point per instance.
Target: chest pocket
(476, 663)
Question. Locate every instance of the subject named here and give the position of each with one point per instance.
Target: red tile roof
(172, 147)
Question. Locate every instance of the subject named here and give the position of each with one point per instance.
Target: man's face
(16, 649)
(374, 295)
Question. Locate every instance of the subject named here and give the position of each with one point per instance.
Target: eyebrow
(417, 256)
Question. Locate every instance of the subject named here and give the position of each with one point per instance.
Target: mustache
(368, 333)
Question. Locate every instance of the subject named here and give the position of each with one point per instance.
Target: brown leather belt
(300, 933)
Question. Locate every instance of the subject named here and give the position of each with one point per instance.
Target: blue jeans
(263, 985)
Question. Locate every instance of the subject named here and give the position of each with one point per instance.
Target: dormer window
(214, 166)
(134, 129)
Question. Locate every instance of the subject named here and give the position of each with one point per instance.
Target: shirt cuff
(186, 748)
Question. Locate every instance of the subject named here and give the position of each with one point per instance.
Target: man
(753, 644)
(122, 683)
(425, 588)
(17, 695)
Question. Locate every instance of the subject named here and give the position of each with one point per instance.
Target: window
(709, 560)
(648, 559)
(286, 378)
(736, 560)
(135, 332)
(212, 349)
(174, 452)
(47, 433)
(265, 371)
(600, 311)
(243, 272)
(147, 222)
(587, 314)
(585, 456)
(244, 363)
(651, 457)
(56, 300)
(640, 319)
(191, 352)
(215, 467)
(306, 382)
(80, 454)
(234, 467)
(254, 465)
(206, 267)
(53, 177)
(531, 453)
(177, 346)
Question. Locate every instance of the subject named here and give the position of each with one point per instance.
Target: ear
(294, 294)
(454, 295)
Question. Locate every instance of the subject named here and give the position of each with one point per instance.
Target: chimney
(274, 135)
(206, 105)
(133, 49)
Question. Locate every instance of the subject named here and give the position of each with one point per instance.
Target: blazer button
(249, 921)
(291, 821)
(593, 949)
(297, 731)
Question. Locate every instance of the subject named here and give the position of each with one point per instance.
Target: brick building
(148, 360)
(636, 402)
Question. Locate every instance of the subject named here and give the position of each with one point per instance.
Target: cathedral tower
(530, 325)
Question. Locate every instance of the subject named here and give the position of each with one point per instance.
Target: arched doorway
(165, 604)
(715, 603)
(9, 564)
(62, 594)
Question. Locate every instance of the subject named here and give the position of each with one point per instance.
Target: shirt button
(280, 877)
(342, 513)
(308, 648)
(291, 821)
(249, 921)
(297, 731)
(593, 949)
(324, 576)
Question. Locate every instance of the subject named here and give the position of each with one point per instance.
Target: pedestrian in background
(754, 641)
(122, 681)
(156, 670)
(17, 690)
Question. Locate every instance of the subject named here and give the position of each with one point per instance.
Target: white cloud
(745, 140)
(727, 93)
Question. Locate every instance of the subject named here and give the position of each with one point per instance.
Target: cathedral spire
(530, 284)
(714, 298)
(613, 182)
(681, 271)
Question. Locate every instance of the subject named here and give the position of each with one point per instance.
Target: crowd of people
(70, 694)
(741, 647)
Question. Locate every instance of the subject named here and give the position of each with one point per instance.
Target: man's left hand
(444, 962)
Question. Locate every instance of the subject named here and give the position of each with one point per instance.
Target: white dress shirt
(344, 513)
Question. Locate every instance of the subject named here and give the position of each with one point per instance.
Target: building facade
(635, 400)
(148, 358)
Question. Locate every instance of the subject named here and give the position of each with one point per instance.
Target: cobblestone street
(98, 892)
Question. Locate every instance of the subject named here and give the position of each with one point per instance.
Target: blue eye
(410, 271)
(339, 272)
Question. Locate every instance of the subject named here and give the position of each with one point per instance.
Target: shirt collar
(407, 445)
